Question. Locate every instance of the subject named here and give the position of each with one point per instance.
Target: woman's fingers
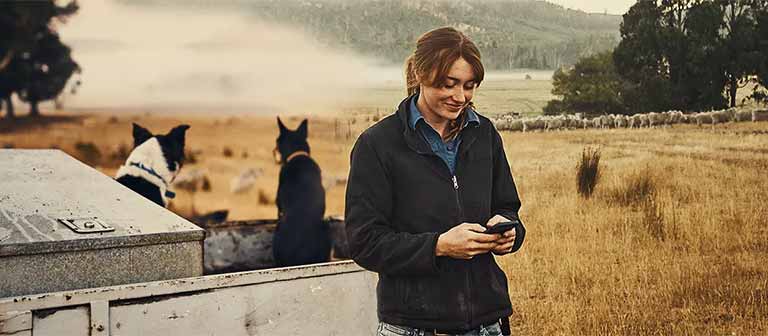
(511, 233)
(483, 247)
(484, 237)
(504, 248)
(474, 227)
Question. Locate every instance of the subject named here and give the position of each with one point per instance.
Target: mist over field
(137, 57)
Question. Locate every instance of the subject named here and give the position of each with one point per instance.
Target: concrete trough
(65, 226)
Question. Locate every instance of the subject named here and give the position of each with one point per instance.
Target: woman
(421, 183)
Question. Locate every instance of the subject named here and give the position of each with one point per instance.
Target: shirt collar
(415, 115)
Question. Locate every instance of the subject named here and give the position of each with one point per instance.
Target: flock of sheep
(644, 120)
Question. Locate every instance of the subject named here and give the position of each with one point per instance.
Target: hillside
(510, 34)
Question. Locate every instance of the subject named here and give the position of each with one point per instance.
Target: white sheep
(655, 119)
(743, 115)
(245, 181)
(644, 122)
(675, 117)
(759, 115)
(621, 121)
(516, 125)
(703, 118)
(555, 123)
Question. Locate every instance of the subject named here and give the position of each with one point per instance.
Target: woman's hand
(465, 241)
(507, 239)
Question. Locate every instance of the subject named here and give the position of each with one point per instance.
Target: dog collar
(295, 154)
(150, 171)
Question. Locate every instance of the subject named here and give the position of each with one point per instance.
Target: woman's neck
(437, 122)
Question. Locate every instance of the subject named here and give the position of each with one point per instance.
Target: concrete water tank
(64, 225)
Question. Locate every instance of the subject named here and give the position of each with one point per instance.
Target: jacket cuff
(510, 215)
(519, 234)
(436, 261)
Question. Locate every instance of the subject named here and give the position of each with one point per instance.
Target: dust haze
(137, 56)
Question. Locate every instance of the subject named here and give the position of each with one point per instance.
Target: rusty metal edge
(176, 286)
(257, 222)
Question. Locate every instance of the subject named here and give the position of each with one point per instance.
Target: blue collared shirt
(445, 150)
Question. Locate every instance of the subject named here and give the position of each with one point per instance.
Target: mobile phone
(502, 227)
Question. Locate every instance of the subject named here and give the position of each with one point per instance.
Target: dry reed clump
(264, 198)
(191, 156)
(88, 153)
(227, 152)
(588, 171)
(633, 189)
(638, 192)
(118, 156)
(206, 185)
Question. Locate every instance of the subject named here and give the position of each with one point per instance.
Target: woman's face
(445, 101)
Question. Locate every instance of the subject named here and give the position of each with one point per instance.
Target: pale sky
(597, 6)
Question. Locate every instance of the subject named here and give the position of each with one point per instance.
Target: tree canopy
(590, 87)
(34, 63)
(678, 55)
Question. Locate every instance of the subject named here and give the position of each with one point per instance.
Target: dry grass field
(673, 241)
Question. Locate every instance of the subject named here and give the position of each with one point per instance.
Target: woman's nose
(458, 95)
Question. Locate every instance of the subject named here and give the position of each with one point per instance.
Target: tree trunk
(34, 111)
(9, 112)
(734, 86)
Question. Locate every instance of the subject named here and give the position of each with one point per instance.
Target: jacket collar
(418, 144)
(412, 139)
(414, 114)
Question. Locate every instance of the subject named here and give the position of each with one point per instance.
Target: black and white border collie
(154, 163)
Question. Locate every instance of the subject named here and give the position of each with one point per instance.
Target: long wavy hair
(436, 51)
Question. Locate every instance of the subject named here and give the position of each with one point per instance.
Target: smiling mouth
(454, 107)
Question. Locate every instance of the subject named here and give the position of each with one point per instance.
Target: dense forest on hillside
(510, 34)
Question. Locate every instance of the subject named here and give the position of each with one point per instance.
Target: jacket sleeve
(504, 199)
(373, 241)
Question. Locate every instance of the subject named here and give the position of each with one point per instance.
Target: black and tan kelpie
(302, 237)
(154, 163)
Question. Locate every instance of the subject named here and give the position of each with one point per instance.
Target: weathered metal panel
(99, 318)
(336, 298)
(16, 323)
(40, 189)
(330, 305)
(71, 321)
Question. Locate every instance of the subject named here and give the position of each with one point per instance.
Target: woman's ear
(421, 81)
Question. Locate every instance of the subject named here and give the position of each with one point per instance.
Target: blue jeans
(386, 329)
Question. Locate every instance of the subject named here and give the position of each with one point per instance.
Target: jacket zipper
(468, 277)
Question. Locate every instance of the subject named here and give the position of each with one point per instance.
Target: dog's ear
(302, 130)
(281, 126)
(178, 134)
(140, 134)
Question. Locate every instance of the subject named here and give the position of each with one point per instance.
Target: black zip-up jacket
(401, 197)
